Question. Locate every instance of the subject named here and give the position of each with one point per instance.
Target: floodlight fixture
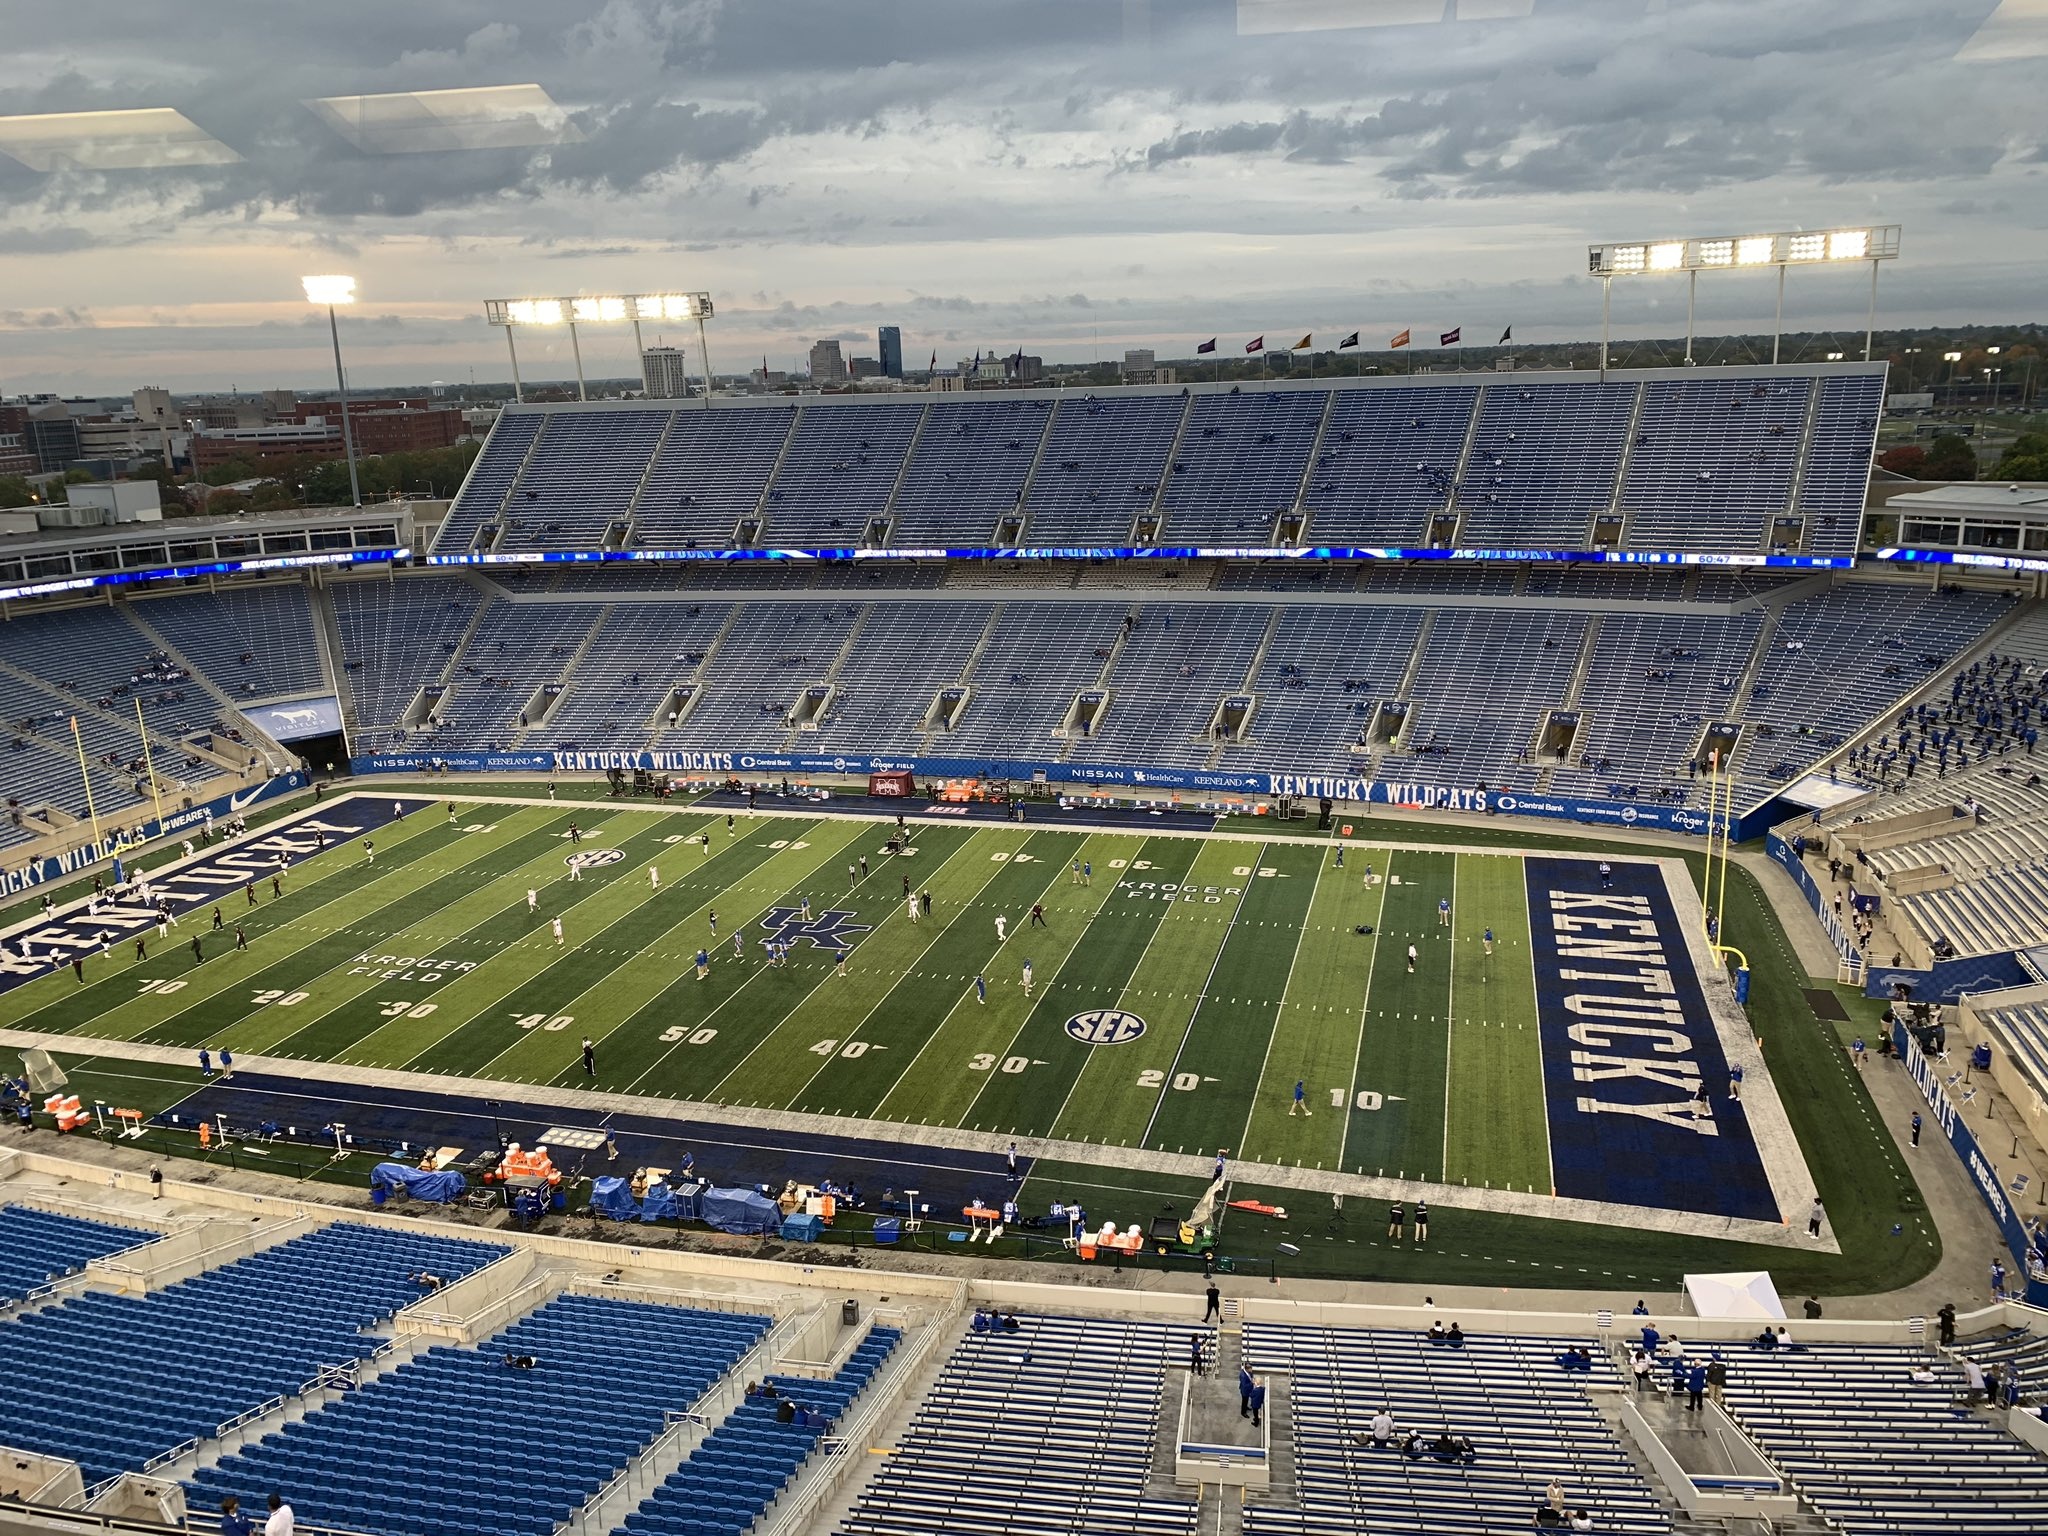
(331, 289)
(1873, 243)
(600, 309)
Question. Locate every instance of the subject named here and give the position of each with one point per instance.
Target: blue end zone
(74, 931)
(1627, 1040)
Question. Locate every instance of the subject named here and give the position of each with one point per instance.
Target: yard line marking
(1450, 1013)
(1279, 1007)
(1202, 997)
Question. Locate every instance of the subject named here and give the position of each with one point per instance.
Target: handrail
(828, 1469)
(698, 1415)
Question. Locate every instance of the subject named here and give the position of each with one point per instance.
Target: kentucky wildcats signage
(1293, 786)
(1942, 1111)
(18, 877)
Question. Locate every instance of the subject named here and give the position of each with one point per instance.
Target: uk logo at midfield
(595, 858)
(1105, 1026)
(828, 930)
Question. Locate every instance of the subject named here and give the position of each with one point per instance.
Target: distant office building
(1023, 368)
(15, 459)
(666, 373)
(865, 368)
(890, 343)
(52, 436)
(1140, 360)
(828, 364)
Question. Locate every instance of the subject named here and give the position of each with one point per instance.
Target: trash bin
(849, 1312)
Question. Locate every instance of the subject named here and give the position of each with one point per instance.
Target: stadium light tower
(600, 309)
(1873, 243)
(332, 289)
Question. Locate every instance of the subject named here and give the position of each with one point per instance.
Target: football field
(1181, 986)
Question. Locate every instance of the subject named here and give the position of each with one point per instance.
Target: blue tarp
(660, 1204)
(610, 1197)
(739, 1210)
(803, 1229)
(440, 1187)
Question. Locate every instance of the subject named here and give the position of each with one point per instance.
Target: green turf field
(1239, 956)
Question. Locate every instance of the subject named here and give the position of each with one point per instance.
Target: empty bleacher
(455, 1441)
(709, 475)
(1458, 732)
(1388, 460)
(968, 471)
(1837, 474)
(838, 473)
(1543, 465)
(397, 636)
(581, 477)
(252, 642)
(1875, 1451)
(1528, 1419)
(1713, 462)
(481, 499)
(1321, 676)
(145, 1373)
(1102, 464)
(734, 1475)
(1039, 656)
(38, 1246)
(1240, 466)
(1175, 664)
(1041, 1432)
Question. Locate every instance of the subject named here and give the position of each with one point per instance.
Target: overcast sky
(1068, 176)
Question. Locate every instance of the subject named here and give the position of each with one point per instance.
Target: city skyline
(1071, 179)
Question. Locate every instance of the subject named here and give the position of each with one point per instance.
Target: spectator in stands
(281, 1520)
(426, 1280)
(1456, 1337)
(1923, 1374)
(1437, 1332)
(1258, 1402)
(1382, 1429)
(520, 1362)
(1580, 1521)
(1695, 1387)
(1641, 1309)
(232, 1521)
(1639, 1366)
(785, 1412)
(1946, 1317)
(1717, 1378)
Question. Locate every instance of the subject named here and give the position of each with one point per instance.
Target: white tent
(1746, 1295)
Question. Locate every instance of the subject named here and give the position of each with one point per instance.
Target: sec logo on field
(595, 858)
(1105, 1026)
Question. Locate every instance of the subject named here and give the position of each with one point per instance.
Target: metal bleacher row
(1877, 1452)
(1720, 460)
(1529, 1421)
(444, 1444)
(1039, 1432)
(143, 1374)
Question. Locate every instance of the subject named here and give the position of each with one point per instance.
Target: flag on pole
(1450, 337)
(1400, 340)
(1301, 345)
(1505, 337)
(1207, 346)
(1348, 341)
(935, 362)
(1256, 344)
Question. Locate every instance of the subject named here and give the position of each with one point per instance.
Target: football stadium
(869, 951)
